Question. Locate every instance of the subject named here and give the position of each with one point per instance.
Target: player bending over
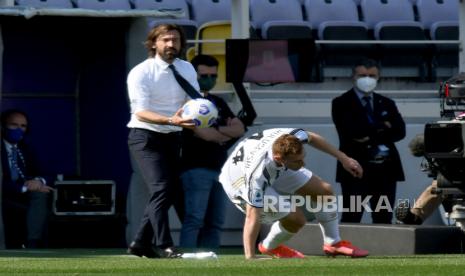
(270, 164)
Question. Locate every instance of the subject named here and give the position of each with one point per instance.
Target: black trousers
(25, 219)
(375, 183)
(157, 156)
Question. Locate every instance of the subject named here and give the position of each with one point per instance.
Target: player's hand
(353, 167)
(177, 120)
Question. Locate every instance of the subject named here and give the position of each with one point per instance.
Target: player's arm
(349, 164)
(156, 118)
(211, 134)
(221, 134)
(234, 128)
(251, 230)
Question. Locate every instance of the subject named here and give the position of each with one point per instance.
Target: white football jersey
(250, 168)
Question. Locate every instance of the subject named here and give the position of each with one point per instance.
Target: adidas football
(202, 111)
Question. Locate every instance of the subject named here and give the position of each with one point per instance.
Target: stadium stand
(338, 20)
(441, 18)
(102, 4)
(210, 10)
(395, 20)
(279, 19)
(65, 4)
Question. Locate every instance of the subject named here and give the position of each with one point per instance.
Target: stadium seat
(210, 10)
(441, 18)
(395, 20)
(319, 11)
(162, 5)
(279, 19)
(431, 11)
(64, 4)
(103, 4)
(338, 20)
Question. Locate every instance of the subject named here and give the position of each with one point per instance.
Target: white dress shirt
(152, 87)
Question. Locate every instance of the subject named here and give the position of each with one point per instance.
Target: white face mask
(366, 84)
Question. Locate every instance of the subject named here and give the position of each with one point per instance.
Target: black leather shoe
(170, 252)
(142, 251)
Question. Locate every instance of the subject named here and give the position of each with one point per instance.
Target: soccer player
(269, 164)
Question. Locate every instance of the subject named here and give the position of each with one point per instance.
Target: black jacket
(352, 123)
(27, 165)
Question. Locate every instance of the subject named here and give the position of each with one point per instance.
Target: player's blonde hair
(286, 145)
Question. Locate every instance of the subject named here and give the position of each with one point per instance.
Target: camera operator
(428, 201)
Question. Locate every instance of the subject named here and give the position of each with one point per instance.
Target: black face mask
(207, 82)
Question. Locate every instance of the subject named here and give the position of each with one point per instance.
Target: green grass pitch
(229, 262)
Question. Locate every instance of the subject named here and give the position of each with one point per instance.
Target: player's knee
(326, 189)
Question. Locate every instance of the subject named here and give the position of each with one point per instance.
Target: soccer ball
(202, 111)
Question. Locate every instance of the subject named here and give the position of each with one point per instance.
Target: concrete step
(382, 239)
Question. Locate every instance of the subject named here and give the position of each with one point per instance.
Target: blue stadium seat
(395, 20)
(319, 11)
(338, 20)
(441, 18)
(431, 11)
(279, 19)
(103, 4)
(64, 4)
(210, 10)
(162, 4)
(376, 11)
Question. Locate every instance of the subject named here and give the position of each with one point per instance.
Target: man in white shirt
(156, 100)
(270, 164)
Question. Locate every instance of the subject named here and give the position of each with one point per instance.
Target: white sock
(276, 236)
(329, 225)
(330, 231)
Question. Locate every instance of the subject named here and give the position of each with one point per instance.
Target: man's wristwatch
(170, 121)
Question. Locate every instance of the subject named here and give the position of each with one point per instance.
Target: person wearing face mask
(368, 125)
(24, 193)
(203, 154)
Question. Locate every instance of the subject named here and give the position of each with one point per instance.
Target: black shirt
(198, 153)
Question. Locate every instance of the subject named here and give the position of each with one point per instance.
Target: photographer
(428, 201)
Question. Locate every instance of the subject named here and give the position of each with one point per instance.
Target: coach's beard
(170, 54)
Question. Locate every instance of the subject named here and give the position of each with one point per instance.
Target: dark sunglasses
(214, 76)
